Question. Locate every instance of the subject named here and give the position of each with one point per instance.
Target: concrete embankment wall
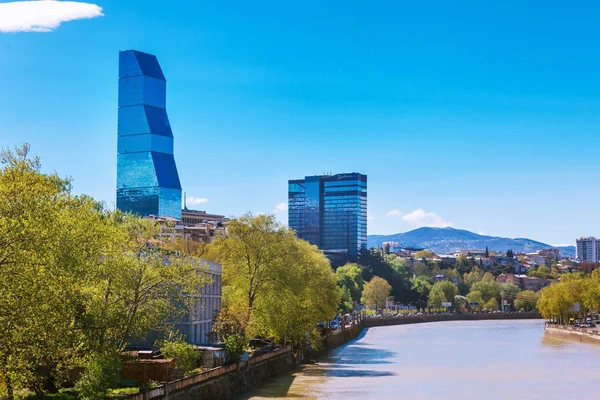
(344, 336)
(572, 333)
(372, 322)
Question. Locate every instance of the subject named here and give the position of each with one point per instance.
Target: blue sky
(481, 115)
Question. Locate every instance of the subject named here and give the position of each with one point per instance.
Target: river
(507, 359)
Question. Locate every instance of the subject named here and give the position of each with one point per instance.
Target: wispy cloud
(395, 213)
(281, 207)
(196, 200)
(43, 15)
(419, 218)
(370, 217)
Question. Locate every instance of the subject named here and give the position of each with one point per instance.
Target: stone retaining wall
(371, 322)
(566, 332)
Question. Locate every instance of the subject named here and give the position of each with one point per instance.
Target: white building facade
(197, 327)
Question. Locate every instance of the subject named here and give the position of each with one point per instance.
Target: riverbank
(373, 322)
(226, 382)
(493, 359)
(584, 335)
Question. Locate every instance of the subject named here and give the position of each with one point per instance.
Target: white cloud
(395, 213)
(196, 200)
(43, 15)
(281, 207)
(419, 218)
(370, 217)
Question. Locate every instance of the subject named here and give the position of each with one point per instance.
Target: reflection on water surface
(448, 360)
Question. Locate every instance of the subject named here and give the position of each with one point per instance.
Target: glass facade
(147, 178)
(330, 211)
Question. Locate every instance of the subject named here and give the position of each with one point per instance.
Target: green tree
(253, 255)
(306, 294)
(349, 276)
(49, 240)
(465, 264)
(183, 354)
(441, 292)
(492, 304)
(396, 274)
(141, 286)
(277, 285)
(474, 296)
(376, 292)
(422, 269)
(526, 300)
(554, 302)
(422, 286)
(77, 281)
(489, 289)
(508, 292)
(102, 372)
(474, 276)
(423, 254)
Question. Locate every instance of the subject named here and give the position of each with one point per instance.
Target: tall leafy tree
(281, 286)
(376, 293)
(349, 277)
(441, 292)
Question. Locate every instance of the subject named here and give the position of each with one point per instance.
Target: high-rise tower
(147, 178)
(330, 211)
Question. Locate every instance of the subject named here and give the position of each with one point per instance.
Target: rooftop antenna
(185, 200)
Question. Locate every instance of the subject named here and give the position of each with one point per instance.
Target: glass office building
(330, 211)
(147, 178)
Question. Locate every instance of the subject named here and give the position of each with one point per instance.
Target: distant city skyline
(483, 117)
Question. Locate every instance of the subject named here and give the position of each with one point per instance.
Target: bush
(183, 354)
(102, 372)
(235, 346)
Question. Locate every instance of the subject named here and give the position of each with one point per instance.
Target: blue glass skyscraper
(330, 211)
(147, 178)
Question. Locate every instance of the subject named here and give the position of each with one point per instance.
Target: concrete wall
(371, 322)
(572, 333)
(343, 336)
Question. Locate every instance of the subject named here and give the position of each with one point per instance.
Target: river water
(509, 359)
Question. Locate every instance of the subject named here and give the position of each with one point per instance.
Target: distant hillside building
(330, 211)
(587, 249)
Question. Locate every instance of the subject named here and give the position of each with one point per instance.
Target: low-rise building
(536, 284)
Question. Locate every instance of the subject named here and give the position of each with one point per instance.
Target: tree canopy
(275, 285)
(77, 279)
(376, 293)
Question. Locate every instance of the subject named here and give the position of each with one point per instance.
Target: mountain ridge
(449, 240)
